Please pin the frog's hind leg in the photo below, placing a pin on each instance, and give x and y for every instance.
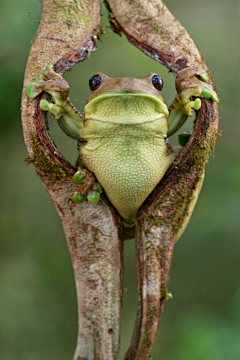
(88, 189)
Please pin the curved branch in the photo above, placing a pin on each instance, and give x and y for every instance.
(93, 231)
(67, 35)
(163, 217)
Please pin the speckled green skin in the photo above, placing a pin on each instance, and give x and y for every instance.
(126, 148)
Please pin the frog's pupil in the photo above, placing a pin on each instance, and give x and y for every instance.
(94, 82)
(157, 82)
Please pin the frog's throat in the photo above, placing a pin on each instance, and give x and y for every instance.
(91, 109)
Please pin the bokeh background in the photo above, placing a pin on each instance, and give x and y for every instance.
(38, 318)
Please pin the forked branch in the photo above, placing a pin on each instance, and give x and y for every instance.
(68, 34)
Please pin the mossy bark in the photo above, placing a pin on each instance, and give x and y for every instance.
(68, 34)
(151, 27)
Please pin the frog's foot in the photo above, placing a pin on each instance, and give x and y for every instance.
(55, 85)
(191, 85)
(89, 189)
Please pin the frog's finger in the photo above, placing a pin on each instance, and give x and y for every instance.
(187, 104)
(209, 93)
(188, 107)
(189, 73)
(203, 75)
(186, 95)
(192, 78)
(48, 67)
(50, 74)
(193, 83)
(204, 91)
(56, 110)
(32, 91)
(58, 88)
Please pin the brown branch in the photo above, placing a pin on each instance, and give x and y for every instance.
(67, 35)
(93, 231)
(163, 217)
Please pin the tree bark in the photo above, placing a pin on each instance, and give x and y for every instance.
(68, 34)
(163, 217)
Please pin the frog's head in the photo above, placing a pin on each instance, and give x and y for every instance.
(125, 100)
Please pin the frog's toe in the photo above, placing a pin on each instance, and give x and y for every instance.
(93, 196)
(99, 188)
(78, 197)
(89, 189)
(79, 177)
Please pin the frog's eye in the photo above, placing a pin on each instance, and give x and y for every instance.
(157, 82)
(94, 82)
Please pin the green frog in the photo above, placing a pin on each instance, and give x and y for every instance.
(124, 131)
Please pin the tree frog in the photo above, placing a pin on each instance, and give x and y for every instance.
(124, 131)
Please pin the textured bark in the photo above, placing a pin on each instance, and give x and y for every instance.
(163, 217)
(67, 35)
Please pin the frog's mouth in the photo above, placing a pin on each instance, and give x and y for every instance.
(126, 108)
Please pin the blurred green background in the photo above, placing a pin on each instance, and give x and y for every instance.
(38, 318)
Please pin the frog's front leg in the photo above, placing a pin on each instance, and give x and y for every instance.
(191, 85)
(71, 122)
(69, 119)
